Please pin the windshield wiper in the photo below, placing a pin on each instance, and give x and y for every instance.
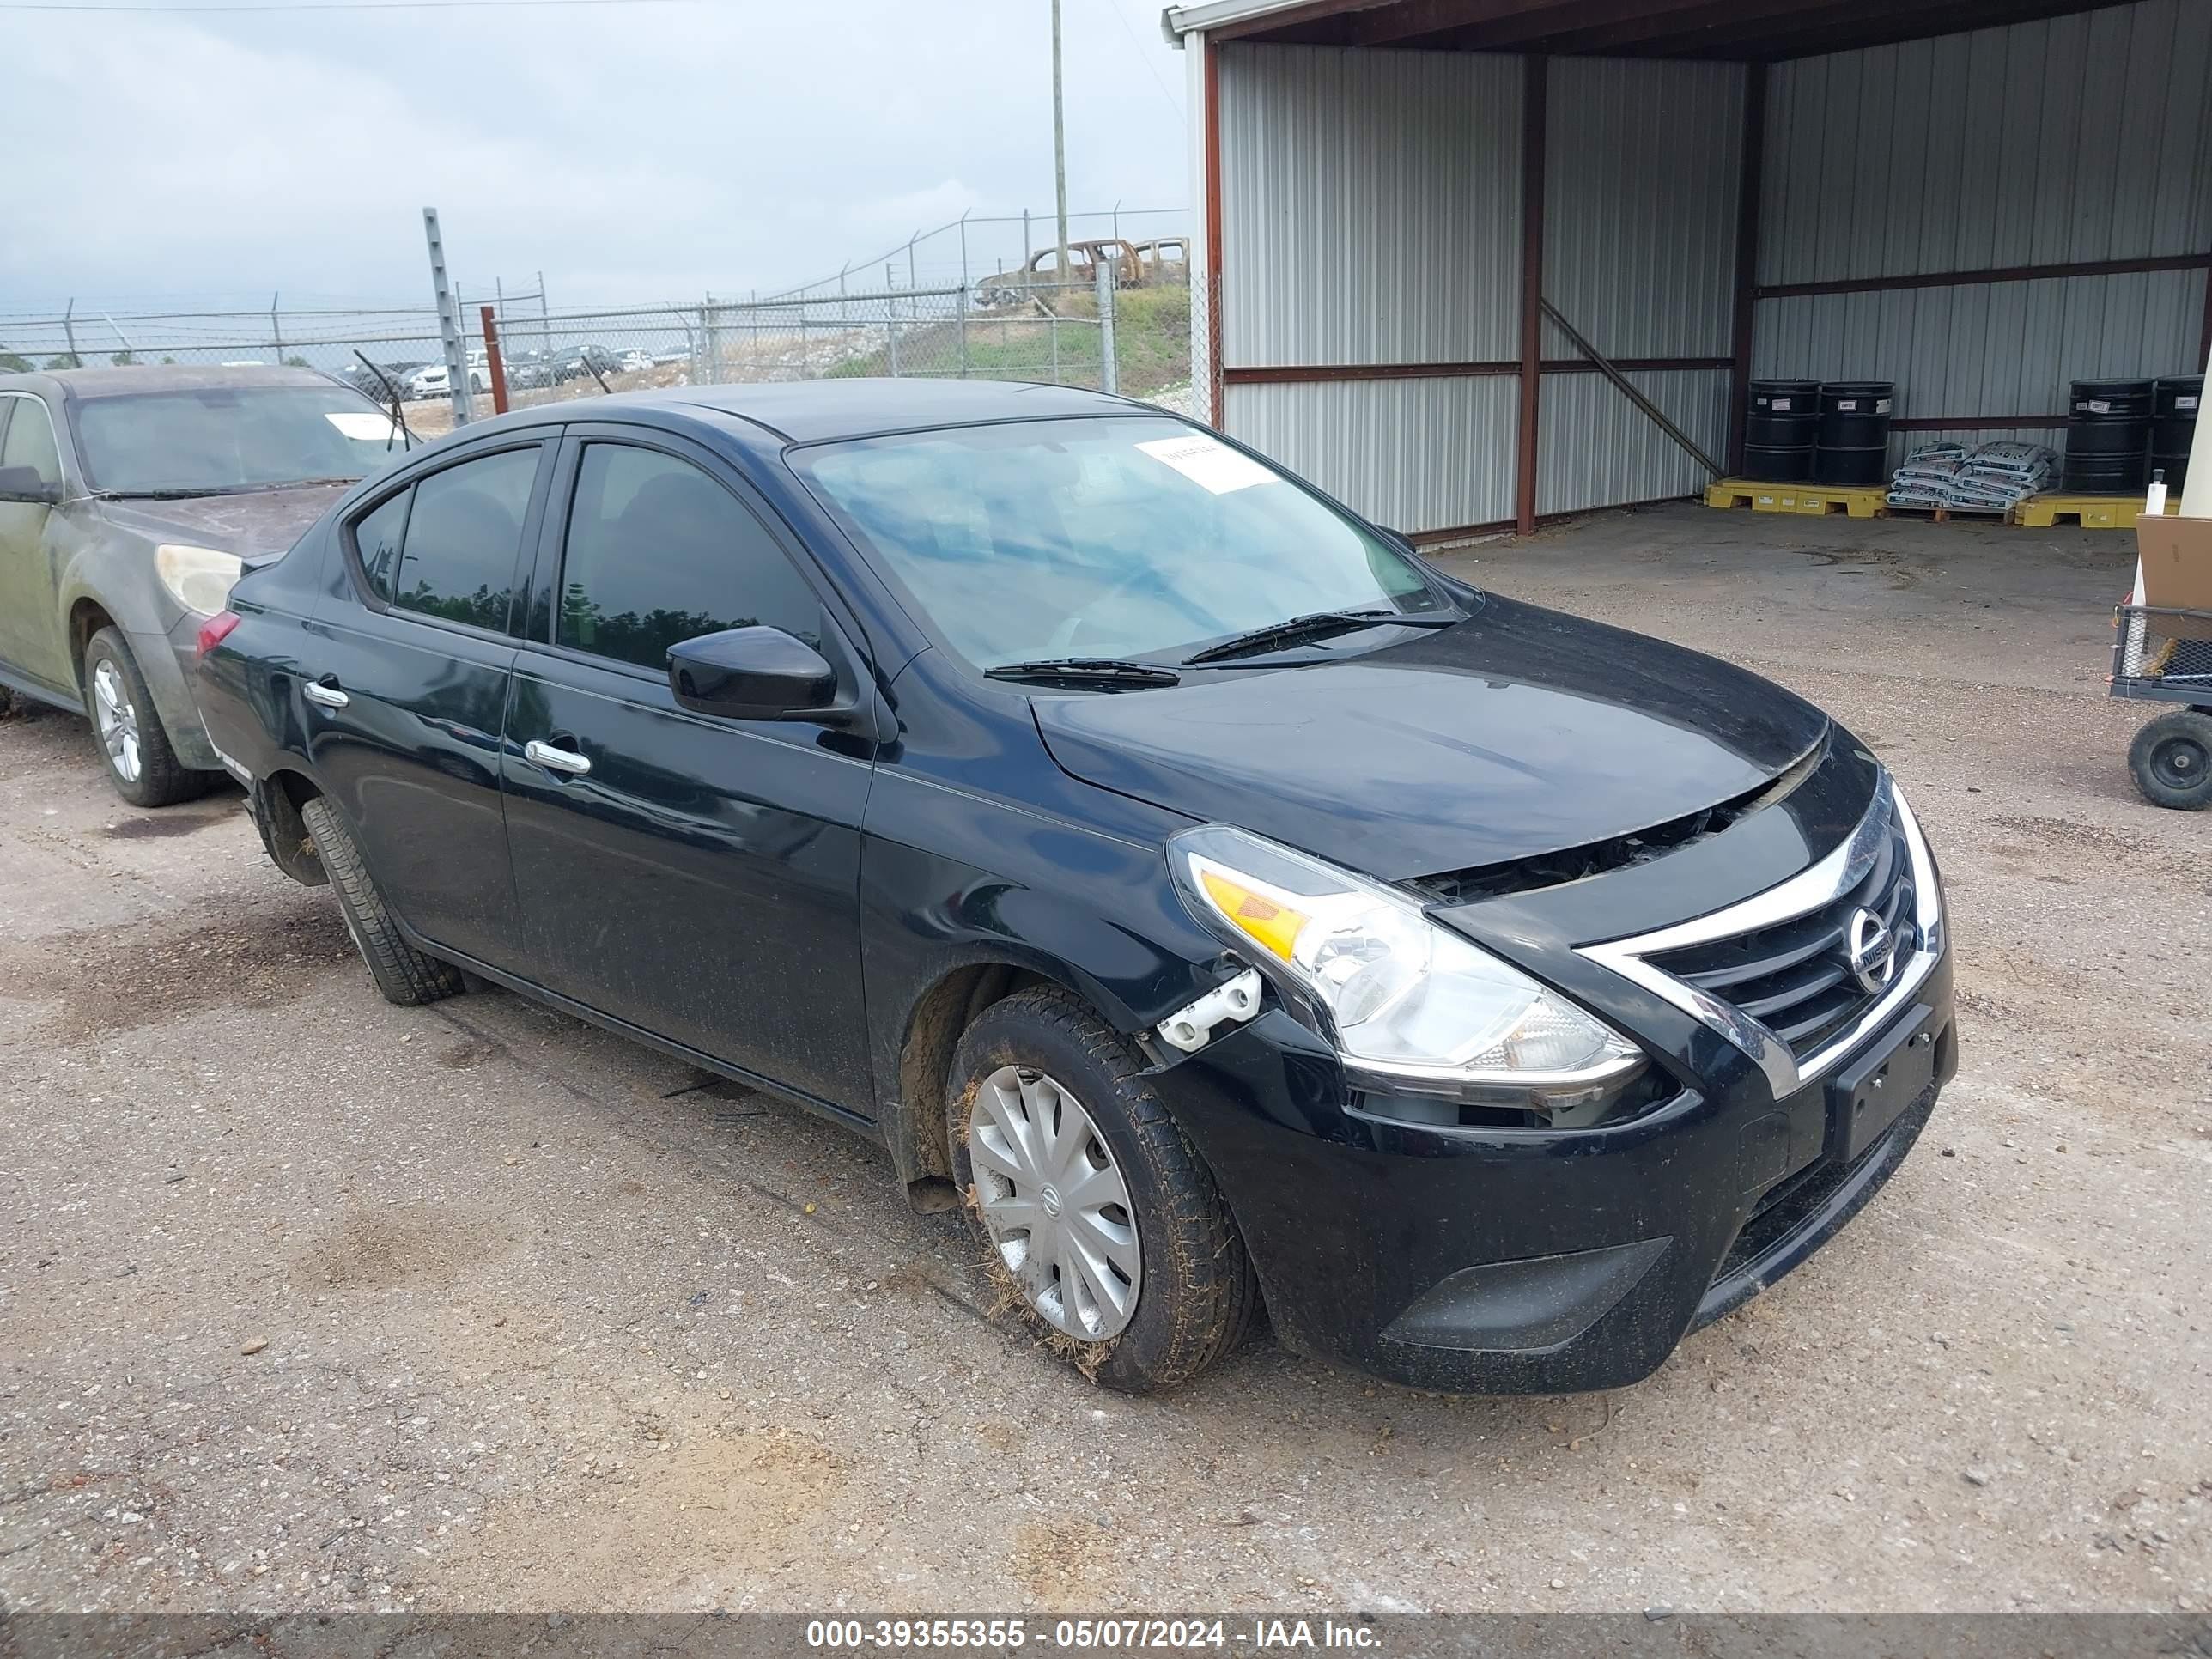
(1085, 672)
(190, 493)
(176, 495)
(1321, 625)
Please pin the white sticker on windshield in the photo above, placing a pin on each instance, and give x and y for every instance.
(363, 423)
(1208, 463)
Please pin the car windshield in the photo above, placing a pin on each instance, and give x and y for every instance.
(221, 438)
(1121, 536)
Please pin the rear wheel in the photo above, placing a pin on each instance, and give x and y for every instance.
(1105, 1231)
(403, 973)
(2172, 760)
(141, 762)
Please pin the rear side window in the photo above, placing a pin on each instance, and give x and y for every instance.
(447, 547)
(657, 553)
(377, 537)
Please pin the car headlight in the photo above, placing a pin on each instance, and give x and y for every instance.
(1411, 1007)
(197, 578)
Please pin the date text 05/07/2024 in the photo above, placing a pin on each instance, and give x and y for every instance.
(983, 1635)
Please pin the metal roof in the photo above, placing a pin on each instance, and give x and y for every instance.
(1734, 30)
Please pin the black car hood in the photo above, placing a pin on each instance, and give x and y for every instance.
(1517, 733)
(257, 525)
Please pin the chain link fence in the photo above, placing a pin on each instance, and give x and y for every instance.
(976, 298)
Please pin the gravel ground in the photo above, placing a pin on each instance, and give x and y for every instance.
(310, 1302)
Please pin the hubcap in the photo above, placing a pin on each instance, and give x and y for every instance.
(1054, 1203)
(2179, 763)
(116, 719)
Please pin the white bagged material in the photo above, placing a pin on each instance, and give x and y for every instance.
(1990, 478)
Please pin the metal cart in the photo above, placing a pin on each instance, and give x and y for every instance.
(2164, 654)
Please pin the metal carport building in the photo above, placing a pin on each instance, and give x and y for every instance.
(1981, 200)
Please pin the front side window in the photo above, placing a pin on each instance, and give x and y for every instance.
(1123, 537)
(216, 439)
(657, 553)
(30, 441)
(447, 547)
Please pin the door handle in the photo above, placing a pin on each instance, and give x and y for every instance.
(325, 691)
(556, 760)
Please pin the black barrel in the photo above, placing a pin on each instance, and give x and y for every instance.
(1779, 429)
(2173, 427)
(1854, 432)
(2108, 437)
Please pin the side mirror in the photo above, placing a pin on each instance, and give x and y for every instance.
(23, 483)
(751, 674)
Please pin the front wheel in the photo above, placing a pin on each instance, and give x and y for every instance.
(2172, 760)
(1104, 1230)
(142, 764)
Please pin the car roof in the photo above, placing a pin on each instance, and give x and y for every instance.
(811, 411)
(133, 379)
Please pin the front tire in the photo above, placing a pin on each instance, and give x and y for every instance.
(142, 764)
(2172, 760)
(1104, 1230)
(403, 973)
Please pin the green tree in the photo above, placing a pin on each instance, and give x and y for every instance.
(14, 363)
(297, 362)
(123, 359)
(67, 360)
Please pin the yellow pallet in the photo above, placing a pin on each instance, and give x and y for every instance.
(2090, 512)
(1818, 500)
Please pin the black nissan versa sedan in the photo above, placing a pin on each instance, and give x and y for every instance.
(1223, 905)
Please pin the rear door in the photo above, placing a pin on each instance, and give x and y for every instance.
(698, 878)
(404, 679)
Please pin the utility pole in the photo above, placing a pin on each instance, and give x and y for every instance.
(1059, 145)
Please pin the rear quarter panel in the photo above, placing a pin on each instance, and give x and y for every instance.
(246, 686)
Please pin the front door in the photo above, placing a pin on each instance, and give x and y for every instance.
(696, 876)
(406, 686)
(33, 640)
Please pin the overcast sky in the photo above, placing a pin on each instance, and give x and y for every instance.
(630, 151)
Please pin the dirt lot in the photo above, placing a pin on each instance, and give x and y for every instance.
(307, 1301)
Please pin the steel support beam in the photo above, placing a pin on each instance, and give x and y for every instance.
(1535, 79)
(1750, 180)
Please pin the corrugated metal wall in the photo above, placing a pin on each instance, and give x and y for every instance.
(1370, 214)
(1371, 205)
(1641, 163)
(1594, 448)
(2072, 139)
(1415, 455)
(1641, 166)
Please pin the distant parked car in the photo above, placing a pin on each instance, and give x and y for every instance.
(1042, 272)
(431, 379)
(378, 381)
(525, 366)
(1163, 262)
(634, 362)
(580, 361)
(130, 499)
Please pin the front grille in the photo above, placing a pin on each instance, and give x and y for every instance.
(1793, 977)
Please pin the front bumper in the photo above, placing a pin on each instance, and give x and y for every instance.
(168, 661)
(1527, 1262)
